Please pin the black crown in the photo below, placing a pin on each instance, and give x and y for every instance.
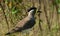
(32, 8)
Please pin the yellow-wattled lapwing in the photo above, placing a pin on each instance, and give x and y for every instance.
(26, 23)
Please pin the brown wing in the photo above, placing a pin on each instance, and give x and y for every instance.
(22, 22)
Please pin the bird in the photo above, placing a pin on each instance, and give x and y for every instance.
(26, 23)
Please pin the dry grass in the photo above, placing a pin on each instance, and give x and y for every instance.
(43, 30)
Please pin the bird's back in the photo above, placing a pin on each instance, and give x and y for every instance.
(25, 23)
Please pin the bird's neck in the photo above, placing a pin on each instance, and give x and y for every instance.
(31, 14)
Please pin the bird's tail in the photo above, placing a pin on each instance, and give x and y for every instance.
(10, 32)
(14, 30)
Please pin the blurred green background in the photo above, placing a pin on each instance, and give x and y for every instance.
(47, 22)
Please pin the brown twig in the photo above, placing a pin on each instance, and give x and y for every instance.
(48, 22)
(39, 14)
(4, 15)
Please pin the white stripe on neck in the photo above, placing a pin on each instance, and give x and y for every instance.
(30, 12)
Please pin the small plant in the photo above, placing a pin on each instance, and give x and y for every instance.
(57, 2)
(59, 10)
(14, 11)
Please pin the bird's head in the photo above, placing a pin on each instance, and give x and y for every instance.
(32, 10)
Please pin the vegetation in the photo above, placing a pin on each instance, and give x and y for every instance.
(47, 22)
